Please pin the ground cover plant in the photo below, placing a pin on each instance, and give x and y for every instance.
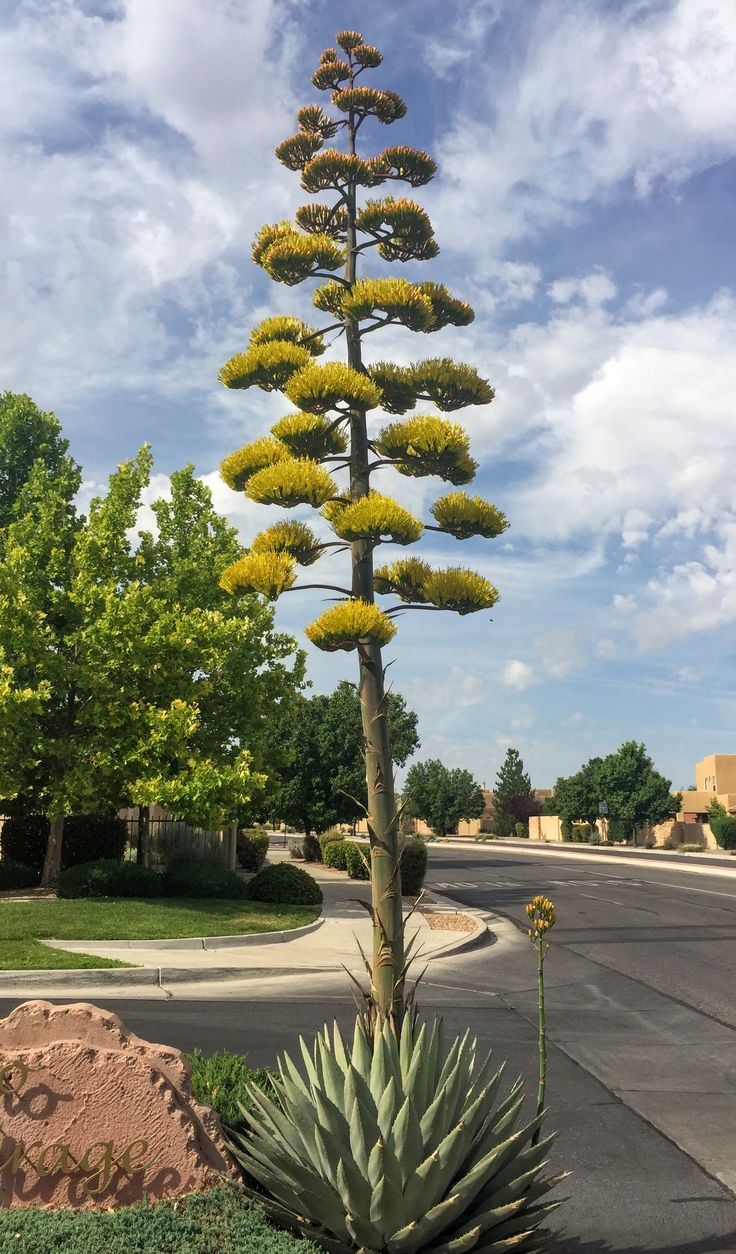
(394, 1141)
(223, 1081)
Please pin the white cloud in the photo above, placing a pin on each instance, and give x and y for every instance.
(517, 675)
(693, 596)
(560, 651)
(591, 97)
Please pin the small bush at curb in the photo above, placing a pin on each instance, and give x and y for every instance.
(334, 855)
(203, 881)
(312, 849)
(296, 849)
(221, 1219)
(357, 860)
(252, 849)
(17, 875)
(110, 879)
(221, 1080)
(284, 883)
(413, 866)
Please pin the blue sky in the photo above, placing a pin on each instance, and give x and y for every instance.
(584, 205)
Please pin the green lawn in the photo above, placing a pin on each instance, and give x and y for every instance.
(22, 923)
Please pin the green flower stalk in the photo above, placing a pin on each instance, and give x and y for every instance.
(321, 454)
(542, 917)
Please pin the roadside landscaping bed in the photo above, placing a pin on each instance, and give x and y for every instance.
(24, 923)
(219, 1220)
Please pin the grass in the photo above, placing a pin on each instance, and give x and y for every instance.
(24, 923)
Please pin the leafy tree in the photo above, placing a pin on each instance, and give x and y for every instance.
(442, 797)
(114, 686)
(722, 825)
(29, 435)
(327, 429)
(634, 792)
(514, 799)
(324, 782)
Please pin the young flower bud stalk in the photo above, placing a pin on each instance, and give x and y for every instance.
(542, 917)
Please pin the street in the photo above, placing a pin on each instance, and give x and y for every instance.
(641, 1016)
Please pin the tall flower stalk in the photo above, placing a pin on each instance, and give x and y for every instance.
(542, 917)
(328, 432)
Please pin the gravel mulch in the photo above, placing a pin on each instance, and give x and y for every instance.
(449, 922)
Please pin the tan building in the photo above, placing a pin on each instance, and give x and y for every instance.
(715, 780)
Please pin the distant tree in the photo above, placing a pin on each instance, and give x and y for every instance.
(442, 797)
(626, 781)
(514, 799)
(115, 687)
(324, 782)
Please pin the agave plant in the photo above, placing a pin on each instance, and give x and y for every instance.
(398, 1144)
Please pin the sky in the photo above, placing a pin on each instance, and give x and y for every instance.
(583, 205)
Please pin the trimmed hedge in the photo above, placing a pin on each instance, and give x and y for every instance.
(87, 838)
(110, 879)
(413, 866)
(221, 1080)
(252, 850)
(296, 849)
(356, 857)
(17, 875)
(220, 1219)
(203, 881)
(284, 883)
(334, 855)
(329, 837)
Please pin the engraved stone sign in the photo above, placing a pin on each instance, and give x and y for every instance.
(93, 1116)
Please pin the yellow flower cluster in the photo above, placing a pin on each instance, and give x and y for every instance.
(373, 517)
(403, 227)
(542, 916)
(293, 330)
(295, 481)
(292, 258)
(320, 219)
(428, 445)
(238, 467)
(410, 164)
(399, 299)
(463, 516)
(269, 573)
(266, 366)
(318, 389)
(298, 149)
(406, 579)
(386, 106)
(349, 624)
(309, 435)
(294, 538)
(464, 591)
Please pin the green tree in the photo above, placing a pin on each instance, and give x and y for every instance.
(442, 796)
(627, 783)
(513, 795)
(130, 693)
(327, 429)
(722, 825)
(324, 781)
(29, 435)
(578, 796)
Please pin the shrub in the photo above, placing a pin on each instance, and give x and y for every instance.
(106, 878)
(296, 849)
(691, 848)
(520, 829)
(356, 858)
(217, 1219)
(329, 837)
(221, 1080)
(17, 875)
(283, 883)
(413, 866)
(252, 849)
(87, 838)
(203, 881)
(334, 855)
(722, 825)
(312, 849)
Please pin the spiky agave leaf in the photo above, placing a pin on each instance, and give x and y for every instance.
(266, 366)
(373, 517)
(269, 573)
(428, 445)
(398, 1144)
(295, 481)
(292, 258)
(463, 516)
(292, 330)
(400, 300)
(405, 579)
(318, 389)
(310, 435)
(319, 219)
(349, 624)
(464, 591)
(237, 468)
(294, 538)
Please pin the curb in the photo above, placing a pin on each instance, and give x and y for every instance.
(471, 940)
(708, 858)
(187, 942)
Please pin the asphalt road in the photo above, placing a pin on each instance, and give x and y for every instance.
(642, 1085)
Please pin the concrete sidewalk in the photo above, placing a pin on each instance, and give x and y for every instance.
(331, 944)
